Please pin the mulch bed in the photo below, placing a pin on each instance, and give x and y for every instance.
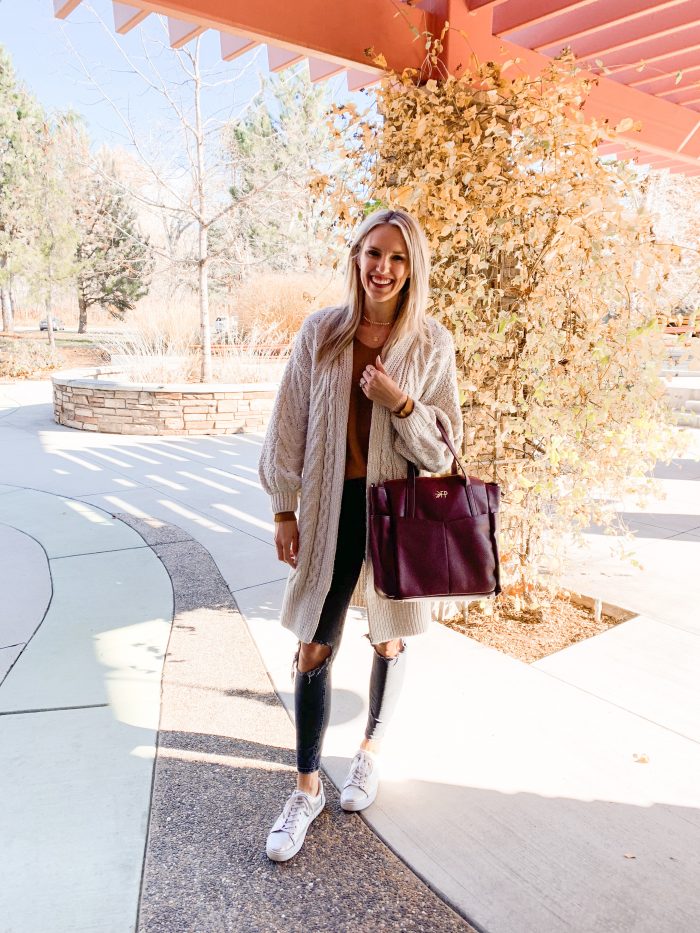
(529, 634)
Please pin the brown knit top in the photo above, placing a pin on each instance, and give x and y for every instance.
(360, 412)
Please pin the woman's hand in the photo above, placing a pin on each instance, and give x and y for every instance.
(380, 387)
(287, 541)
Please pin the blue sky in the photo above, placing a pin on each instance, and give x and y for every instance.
(51, 58)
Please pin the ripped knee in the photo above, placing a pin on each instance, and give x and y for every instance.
(390, 649)
(312, 655)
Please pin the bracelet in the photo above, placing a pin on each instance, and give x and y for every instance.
(400, 406)
(405, 409)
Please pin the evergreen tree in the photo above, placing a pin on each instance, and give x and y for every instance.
(49, 259)
(274, 151)
(113, 259)
(21, 120)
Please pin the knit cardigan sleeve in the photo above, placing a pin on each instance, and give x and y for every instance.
(282, 455)
(417, 438)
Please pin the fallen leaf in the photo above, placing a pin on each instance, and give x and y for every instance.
(641, 759)
(629, 855)
(624, 125)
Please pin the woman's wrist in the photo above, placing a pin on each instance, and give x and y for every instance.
(405, 409)
(401, 404)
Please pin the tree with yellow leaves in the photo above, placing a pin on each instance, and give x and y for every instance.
(547, 272)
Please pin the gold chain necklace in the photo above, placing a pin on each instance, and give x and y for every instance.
(379, 323)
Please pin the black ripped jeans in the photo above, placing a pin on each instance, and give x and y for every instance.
(312, 689)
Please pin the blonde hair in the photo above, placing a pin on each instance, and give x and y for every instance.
(413, 300)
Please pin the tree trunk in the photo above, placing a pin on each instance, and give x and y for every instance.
(203, 245)
(49, 320)
(82, 316)
(6, 299)
(7, 322)
(204, 304)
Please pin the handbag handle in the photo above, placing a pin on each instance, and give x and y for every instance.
(456, 459)
(413, 475)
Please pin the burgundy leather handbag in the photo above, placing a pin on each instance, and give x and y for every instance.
(433, 537)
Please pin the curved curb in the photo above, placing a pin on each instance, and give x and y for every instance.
(23, 629)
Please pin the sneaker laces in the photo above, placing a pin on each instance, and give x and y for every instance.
(360, 771)
(295, 808)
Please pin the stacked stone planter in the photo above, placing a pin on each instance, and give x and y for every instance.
(91, 404)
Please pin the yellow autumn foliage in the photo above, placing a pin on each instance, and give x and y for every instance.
(547, 272)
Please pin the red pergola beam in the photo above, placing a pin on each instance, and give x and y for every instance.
(61, 8)
(547, 24)
(632, 35)
(126, 17)
(678, 93)
(666, 127)
(660, 68)
(328, 32)
(693, 100)
(624, 56)
(325, 30)
(480, 4)
(521, 14)
(664, 84)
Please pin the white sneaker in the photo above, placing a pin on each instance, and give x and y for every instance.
(288, 834)
(361, 784)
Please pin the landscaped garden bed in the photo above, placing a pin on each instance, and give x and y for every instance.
(91, 404)
(528, 633)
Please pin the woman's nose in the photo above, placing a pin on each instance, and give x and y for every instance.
(383, 264)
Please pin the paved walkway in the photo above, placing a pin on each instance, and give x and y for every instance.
(522, 794)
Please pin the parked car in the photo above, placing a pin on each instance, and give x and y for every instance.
(57, 324)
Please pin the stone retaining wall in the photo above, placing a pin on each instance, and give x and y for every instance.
(121, 408)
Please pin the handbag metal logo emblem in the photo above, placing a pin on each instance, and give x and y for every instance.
(441, 494)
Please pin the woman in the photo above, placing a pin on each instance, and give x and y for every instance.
(359, 397)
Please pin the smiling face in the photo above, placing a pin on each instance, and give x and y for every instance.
(384, 268)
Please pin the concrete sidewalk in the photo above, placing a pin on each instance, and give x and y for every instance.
(517, 792)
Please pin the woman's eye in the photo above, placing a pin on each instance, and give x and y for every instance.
(374, 252)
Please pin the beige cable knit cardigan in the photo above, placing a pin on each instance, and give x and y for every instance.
(302, 462)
